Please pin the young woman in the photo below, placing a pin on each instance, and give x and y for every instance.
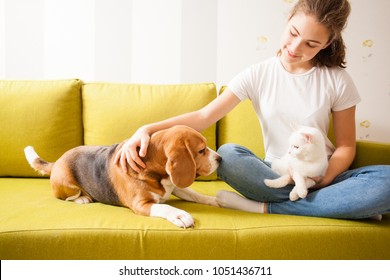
(305, 82)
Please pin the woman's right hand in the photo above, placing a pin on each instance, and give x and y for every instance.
(132, 151)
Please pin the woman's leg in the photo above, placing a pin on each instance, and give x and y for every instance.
(245, 172)
(354, 194)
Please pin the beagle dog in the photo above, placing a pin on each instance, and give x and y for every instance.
(175, 157)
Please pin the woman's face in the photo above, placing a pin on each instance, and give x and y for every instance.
(302, 39)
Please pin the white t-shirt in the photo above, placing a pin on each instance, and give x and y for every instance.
(281, 98)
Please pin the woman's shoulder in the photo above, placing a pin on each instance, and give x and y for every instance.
(262, 67)
(333, 71)
(272, 61)
(337, 75)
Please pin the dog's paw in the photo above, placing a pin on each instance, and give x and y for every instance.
(82, 200)
(176, 216)
(181, 219)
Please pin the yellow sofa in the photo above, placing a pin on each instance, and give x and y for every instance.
(54, 116)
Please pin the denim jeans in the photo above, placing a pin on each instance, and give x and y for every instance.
(354, 194)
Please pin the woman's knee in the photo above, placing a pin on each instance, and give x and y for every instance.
(245, 172)
(383, 174)
(231, 154)
(376, 172)
(232, 150)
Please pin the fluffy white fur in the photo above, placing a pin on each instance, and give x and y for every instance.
(306, 158)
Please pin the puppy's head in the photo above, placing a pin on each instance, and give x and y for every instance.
(187, 155)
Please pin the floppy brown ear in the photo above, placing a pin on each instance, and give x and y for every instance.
(180, 166)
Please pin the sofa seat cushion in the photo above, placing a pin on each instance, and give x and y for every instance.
(35, 225)
(112, 112)
(43, 114)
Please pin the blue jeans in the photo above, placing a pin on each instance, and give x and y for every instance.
(354, 194)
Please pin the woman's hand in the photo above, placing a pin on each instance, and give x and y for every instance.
(320, 183)
(133, 150)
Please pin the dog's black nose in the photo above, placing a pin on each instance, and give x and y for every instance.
(219, 158)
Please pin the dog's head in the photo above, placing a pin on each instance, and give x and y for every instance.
(187, 155)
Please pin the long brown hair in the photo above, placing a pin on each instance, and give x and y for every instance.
(333, 14)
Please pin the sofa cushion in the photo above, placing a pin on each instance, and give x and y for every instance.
(371, 153)
(113, 112)
(43, 114)
(241, 126)
(98, 231)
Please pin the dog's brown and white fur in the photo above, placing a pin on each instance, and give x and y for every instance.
(175, 157)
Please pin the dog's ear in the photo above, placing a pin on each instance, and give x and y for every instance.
(180, 165)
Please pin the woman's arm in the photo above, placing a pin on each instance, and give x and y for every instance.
(345, 138)
(198, 120)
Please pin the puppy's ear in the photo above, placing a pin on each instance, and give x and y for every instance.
(180, 166)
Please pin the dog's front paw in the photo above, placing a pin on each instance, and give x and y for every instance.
(181, 219)
(176, 216)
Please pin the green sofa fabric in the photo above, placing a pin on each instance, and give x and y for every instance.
(35, 225)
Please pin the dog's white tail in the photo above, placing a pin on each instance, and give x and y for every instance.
(38, 164)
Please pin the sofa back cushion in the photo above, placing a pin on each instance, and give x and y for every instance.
(43, 114)
(241, 126)
(113, 112)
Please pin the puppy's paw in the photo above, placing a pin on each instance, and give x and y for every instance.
(181, 219)
(176, 216)
(82, 200)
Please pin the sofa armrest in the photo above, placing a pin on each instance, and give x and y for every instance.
(371, 153)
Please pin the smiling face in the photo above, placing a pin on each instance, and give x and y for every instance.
(301, 41)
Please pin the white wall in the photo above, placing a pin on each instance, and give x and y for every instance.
(23, 38)
(181, 41)
(368, 42)
(68, 35)
(113, 40)
(2, 38)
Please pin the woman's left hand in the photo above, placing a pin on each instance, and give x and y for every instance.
(320, 183)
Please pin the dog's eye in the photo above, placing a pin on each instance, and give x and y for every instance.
(202, 151)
